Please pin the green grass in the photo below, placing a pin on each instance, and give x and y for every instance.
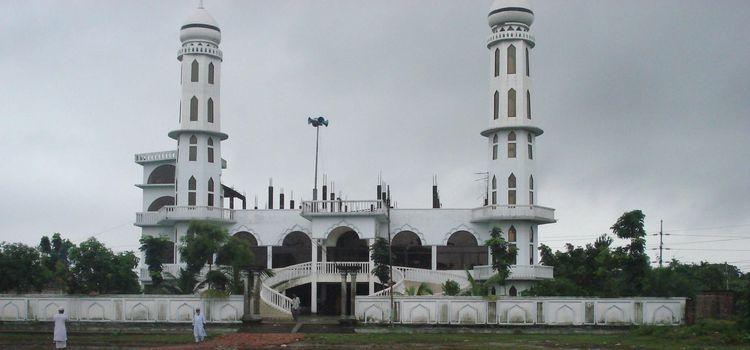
(98, 338)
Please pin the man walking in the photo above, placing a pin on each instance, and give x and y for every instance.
(199, 323)
(295, 308)
(60, 337)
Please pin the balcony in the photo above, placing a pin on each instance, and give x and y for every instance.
(336, 208)
(170, 214)
(162, 156)
(517, 272)
(534, 213)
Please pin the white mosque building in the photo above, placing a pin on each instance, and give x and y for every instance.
(305, 242)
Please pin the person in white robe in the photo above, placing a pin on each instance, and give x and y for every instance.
(60, 337)
(199, 323)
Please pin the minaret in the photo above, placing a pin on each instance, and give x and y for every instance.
(199, 137)
(512, 130)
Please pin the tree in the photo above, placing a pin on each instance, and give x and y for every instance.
(54, 255)
(380, 255)
(156, 251)
(201, 243)
(96, 269)
(476, 288)
(503, 256)
(635, 262)
(21, 268)
(237, 255)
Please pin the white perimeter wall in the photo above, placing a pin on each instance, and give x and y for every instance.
(522, 311)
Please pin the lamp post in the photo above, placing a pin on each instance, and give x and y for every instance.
(316, 123)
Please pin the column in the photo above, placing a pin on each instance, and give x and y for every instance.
(434, 257)
(269, 257)
(343, 295)
(370, 277)
(354, 294)
(314, 278)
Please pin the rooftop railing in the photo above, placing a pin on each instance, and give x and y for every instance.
(156, 156)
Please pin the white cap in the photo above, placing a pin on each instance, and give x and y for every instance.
(516, 11)
(200, 25)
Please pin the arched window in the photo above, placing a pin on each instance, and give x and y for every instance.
(497, 62)
(296, 248)
(531, 189)
(210, 192)
(528, 104)
(194, 71)
(210, 110)
(511, 59)
(494, 146)
(512, 235)
(210, 149)
(194, 109)
(527, 63)
(496, 106)
(461, 252)
(511, 103)
(512, 144)
(512, 189)
(408, 251)
(494, 190)
(163, 174)
(193, 149)
(211, 73)
(512, 291)
(531, 246)
(191, 191)
(530, 140)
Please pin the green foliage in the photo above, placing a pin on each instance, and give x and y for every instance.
(704, 331)
(216, 280)
(476, 288)
(21, 268)
(96, 269)
(379, 252)
(236, 253)
(503, 256)
(54, 254)
(156, 251)
(451, 288)
(422, 289)
(634, 261)
(203, 240)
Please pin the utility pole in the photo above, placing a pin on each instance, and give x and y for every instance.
(661, 240)
(316, 123)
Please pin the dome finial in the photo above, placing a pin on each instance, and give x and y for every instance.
(200, 4)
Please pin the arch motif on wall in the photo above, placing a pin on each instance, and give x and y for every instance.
(421, 312)
(10, 312)
(95, 312)
(373, 312)
(228, 313)
(614, 314)
(472, 312)
(139, 312)
(184, 312)
(517, 314)
(407, 227)
(163, 174)
(461, 227)
(160, 203)
(343, 223)
(567, 313)
(663, 315)
(243, 228)
(50, 310)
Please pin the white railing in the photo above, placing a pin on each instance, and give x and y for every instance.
(156, 156)
(369, 207)
(172, 269)
(183, 213)
(332, 267)
(275, 299)
(148, 218)
(398, 286)
(504, 212)
(517, 272)
(432, 276)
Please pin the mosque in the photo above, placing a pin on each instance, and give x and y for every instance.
(306, 242)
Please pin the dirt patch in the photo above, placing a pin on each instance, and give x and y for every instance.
(241, 341)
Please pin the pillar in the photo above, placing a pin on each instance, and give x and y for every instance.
(354, 293)
(256, 294)
(269, 257)
(489, 256)
(314, 278)
(343, 295)
(247, 297)
(370, 277)
(434, 257)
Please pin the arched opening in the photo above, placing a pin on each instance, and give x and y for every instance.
(347, 247)
(210, 110)
(191, 191)
(511, 103)
(294, 249)
(512, 291)
(512, 144)
(494, 190)
(260, 254)
(210, 150)
(496, 105)
(194, 71)
(512, 189)
(211, 73)
(408, 251)
(210, 192)
(163, 174)
(161, 202)
(494, 146)
(511, 59)
(461, 252)
(497, 62)
(194, 109)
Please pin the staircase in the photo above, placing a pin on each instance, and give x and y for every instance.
(295, 275)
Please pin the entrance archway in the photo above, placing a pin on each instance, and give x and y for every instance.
(346, 246)
(260, 254)
(295, 249)
(461, 252)
(408, 251)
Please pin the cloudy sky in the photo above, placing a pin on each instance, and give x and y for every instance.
(644, 104)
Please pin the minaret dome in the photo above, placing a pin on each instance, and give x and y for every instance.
(200, 26)
(510, 11)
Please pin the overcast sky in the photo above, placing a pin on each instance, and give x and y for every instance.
(644, 105)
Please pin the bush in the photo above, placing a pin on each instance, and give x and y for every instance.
(451, 288)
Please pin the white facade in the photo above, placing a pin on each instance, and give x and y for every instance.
(177, 183)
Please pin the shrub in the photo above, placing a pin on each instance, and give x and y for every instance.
(451, 288)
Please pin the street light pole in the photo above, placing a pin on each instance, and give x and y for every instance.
(316, 123)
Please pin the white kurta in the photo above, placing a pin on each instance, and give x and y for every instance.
(61, 334)
(198, 323)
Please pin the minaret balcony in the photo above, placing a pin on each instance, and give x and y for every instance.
(533, 213)
(170, 215)
(341, 208)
